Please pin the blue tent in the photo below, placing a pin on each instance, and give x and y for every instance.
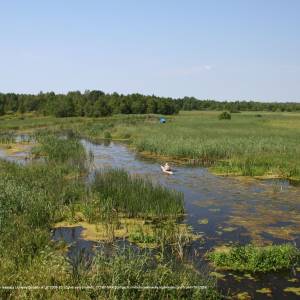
(162, 120)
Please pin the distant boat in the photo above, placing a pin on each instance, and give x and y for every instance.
(165, 171)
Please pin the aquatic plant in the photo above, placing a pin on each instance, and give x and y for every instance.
(7, 137)
(60, 150)
(127, 268)
(257, 259)
(135, 196)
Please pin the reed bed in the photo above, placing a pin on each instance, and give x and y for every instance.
(135, 196)
(245, 145)
(61, 150)
(255, 259)
(7, 137)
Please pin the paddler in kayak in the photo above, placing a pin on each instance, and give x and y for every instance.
(167, 167)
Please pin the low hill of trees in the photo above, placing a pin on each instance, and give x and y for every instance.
(97, 103)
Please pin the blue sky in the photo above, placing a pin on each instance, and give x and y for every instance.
(233, 49)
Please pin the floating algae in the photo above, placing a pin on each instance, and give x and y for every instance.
(218, 275)
(266, 291)
(135, 230)
(294, 290)
(203, 221)
(229, 229)
(243, 296)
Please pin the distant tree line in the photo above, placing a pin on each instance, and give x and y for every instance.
(191, 103)
(98, 104)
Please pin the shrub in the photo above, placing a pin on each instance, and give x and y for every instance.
(225, 116)
(107, 135)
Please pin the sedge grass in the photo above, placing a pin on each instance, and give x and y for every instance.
(257, 259)
(135, 196)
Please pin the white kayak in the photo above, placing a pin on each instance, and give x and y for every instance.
(165, 171)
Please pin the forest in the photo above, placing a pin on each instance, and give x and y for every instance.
(96, 103)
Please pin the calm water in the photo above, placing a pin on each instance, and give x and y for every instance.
(232, 211)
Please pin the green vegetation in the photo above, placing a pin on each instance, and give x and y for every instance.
(90, 104)
(224, 116)
(257, 259)
(135, 196)
(53, 189)
(245, 146)
(99, 104)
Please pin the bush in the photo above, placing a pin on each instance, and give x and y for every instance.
(225, 116)
(107, 135)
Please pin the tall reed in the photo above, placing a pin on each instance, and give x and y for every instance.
(136, 196)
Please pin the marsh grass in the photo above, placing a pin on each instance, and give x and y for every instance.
(35, 196)
(246, 145)
(7, 137)
(128, 268)
(254, 259)
(60, 150)
(135, 196)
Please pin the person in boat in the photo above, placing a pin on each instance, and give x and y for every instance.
(167, 167)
